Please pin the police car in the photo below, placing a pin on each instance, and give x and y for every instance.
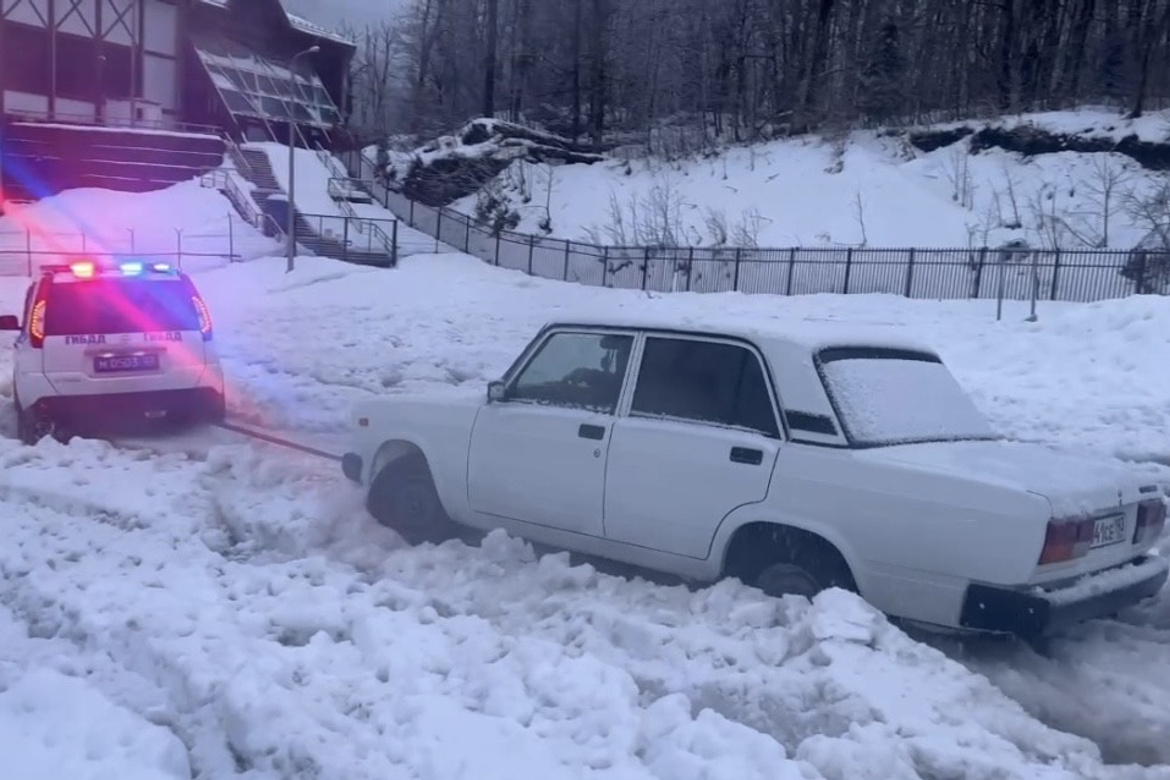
(103, 341)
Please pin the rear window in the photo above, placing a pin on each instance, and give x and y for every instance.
(105, 306)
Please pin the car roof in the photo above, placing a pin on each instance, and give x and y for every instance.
(805, 333)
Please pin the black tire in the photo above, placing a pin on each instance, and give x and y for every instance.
(403, 498)
(29, 429)
(791, 562)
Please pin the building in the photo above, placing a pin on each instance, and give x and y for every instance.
(237, 66)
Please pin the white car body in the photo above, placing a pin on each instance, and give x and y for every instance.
(102, 340)
(947, 532)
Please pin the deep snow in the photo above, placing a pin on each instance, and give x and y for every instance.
(238, 597)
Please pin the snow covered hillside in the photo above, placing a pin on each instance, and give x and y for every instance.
(869, 189)
(211, 606)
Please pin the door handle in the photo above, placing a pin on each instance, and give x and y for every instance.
(751, 457)
(595, 432)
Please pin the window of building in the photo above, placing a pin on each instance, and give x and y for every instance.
(256, 86)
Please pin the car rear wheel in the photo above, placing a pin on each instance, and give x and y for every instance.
(404, 499)
(780, 561)
(30, 428)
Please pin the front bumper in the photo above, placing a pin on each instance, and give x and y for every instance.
(1033, 613)
(351, 467)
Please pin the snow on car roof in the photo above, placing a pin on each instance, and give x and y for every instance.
(808, 333)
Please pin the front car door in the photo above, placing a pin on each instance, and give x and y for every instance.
(701, 438)
(538, 456)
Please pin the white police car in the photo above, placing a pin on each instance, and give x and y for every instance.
(106, 341)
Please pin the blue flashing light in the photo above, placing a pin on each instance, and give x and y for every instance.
(161, 268)
(131, 269)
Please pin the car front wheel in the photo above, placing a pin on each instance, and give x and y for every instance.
(404, 499)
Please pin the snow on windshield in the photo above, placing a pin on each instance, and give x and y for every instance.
(896, 400)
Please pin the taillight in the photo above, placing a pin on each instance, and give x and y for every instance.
(36, 319)
(1067, 540)
(1151, 519)
(204, 317)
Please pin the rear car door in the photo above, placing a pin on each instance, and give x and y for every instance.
(114, 333)
(701, 438)
(539, 455)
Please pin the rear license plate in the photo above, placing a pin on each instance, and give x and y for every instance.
(1108, 530)
(115, 364)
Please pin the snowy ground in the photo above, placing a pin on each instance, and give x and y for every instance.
(208, 605)
(869, 190)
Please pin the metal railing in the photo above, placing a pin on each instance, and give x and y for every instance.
(23, 251)
(353, 239)
(942, 273)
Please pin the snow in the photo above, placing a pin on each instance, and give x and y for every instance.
(869, 190)
(207, 606)
(891, 401)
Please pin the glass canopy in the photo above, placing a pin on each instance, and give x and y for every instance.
(255, 86)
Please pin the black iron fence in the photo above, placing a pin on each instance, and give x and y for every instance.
(1020, 274)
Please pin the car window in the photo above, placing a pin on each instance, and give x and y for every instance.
(704, 381)
(106, 306)
(575, 370)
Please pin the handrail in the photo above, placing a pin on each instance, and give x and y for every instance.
(87, 120)
(237, 156)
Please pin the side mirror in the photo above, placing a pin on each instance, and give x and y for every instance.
(495, 391)
(9, 322)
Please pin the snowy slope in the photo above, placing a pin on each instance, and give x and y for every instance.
(239, 598)
(869, 190)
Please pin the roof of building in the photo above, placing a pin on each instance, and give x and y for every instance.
(297, 23)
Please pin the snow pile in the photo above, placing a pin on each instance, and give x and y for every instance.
(870, 190)
(186, 218)
(291, 637)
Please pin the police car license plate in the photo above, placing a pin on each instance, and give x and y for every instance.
(114, 364)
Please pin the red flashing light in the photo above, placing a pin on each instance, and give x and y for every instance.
(36, 318)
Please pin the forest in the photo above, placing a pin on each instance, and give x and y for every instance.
(612, 70)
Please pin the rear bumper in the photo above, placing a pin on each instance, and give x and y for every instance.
(89, 411)
(1035, 612)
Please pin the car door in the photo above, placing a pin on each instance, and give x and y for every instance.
(538, 456)
(700, 439)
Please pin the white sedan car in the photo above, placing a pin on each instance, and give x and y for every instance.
(793, 458)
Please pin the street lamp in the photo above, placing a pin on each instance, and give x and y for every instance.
(292, 165)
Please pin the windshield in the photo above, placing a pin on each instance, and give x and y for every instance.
(105, 306)
(888, 397)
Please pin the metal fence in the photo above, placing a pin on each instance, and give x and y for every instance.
(22, 251)
(1019, 274)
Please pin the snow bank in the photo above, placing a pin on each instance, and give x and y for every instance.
(336, 652)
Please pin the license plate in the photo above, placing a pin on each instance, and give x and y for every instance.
(115, 364)
(1108, 530)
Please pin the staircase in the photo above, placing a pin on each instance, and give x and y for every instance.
(311, 230)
